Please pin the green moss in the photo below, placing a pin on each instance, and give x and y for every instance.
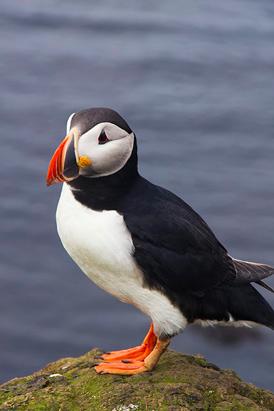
(179, 382)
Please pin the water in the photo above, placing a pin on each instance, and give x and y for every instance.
(195, 82)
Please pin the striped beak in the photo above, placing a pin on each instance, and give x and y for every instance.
(63, 165)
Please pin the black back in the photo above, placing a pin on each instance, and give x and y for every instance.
(174, 247)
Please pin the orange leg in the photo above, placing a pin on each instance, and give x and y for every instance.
(135, 366)
(136, 353)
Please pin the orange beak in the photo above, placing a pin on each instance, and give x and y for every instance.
(56, 167)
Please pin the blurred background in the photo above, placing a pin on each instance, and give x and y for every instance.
(195, 82)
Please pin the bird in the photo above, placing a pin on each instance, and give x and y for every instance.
(143, 244)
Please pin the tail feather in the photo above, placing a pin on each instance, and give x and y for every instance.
(247, 272)
(264, 285)
(245, 303)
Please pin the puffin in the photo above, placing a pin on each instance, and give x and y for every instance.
(143, 244)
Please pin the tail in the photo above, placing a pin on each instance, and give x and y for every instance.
(247, 272)
(232, 304)
(245, 303)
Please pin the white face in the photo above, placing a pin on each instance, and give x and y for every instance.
(107, 146)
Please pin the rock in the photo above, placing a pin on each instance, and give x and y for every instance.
(179, 383)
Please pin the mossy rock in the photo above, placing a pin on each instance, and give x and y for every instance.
(180, 382)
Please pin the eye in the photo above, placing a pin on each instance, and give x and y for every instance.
(102, 139)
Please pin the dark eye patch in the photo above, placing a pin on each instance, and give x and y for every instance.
(102, 139)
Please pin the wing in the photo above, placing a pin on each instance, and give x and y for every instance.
(174, 247)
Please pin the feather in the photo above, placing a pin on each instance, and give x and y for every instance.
(247, 272)
(264, 285)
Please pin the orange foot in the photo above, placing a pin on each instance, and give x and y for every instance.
(130, 366)
(135, 367)
(138, 353)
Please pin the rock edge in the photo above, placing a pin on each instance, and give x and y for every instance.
(180, 382)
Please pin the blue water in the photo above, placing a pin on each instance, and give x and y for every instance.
(195, 82)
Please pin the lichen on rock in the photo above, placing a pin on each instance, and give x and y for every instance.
(180, 382)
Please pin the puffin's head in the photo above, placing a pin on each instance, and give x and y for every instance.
(99, 143)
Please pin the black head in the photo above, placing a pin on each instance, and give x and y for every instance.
(87, 119)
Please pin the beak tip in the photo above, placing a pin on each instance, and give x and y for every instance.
(50, 180)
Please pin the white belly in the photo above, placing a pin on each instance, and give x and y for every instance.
(101, 245)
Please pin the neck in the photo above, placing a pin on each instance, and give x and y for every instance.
(106, 192)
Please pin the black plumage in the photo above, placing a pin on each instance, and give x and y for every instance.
(175, 249)
(87, 119)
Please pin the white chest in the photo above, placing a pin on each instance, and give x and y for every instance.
(100, 243)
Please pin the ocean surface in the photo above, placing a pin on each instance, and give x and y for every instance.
(195, 82)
